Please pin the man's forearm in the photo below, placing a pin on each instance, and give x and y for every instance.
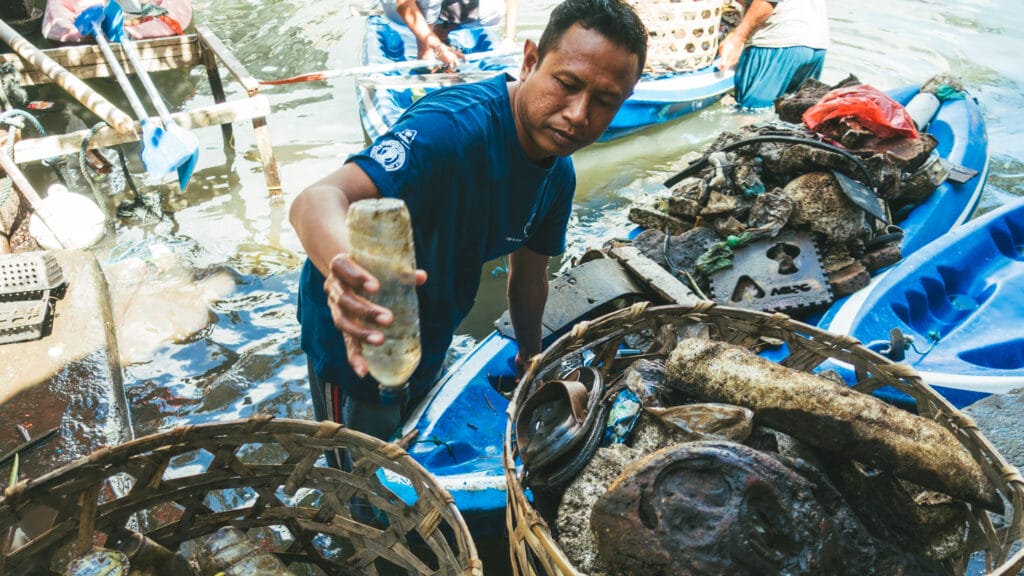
(755, 16)
(527, 295)
(418, 25)
(318, 216)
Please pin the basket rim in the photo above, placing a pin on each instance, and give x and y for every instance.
(531, 539)
(80, 481)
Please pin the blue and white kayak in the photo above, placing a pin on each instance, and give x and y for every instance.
(961, 300)
(461, 423)
(661, 99)
(960, 130)
(384, 96)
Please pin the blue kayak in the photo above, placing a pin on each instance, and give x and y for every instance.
(960, 130)
(656, 100)
(461, 423)
(961, 300)
(383, 96)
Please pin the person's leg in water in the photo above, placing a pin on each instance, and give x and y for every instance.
(377, 420)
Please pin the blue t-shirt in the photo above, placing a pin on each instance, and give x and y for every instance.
(454, 158)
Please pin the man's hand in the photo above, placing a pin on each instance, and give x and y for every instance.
(729, 51)
(448, 56)
(348, 286)
(756, 15)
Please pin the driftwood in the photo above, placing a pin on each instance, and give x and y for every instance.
(831, 417)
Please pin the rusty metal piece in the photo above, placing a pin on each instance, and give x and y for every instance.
(885, 255)
(920, 185)
(717, 508)
(909, 153)
(848, 280)
(779, 274)
(710, 508)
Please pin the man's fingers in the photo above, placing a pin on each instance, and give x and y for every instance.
(357, 330)
(350, 273)
(354, 350)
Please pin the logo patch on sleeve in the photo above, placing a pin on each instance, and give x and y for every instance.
(406, 136)
(390, 154)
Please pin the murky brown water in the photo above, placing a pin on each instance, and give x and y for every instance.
(248, 359)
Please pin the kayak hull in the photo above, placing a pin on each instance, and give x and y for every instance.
(960, 299)
(659, 100)
(461, 423)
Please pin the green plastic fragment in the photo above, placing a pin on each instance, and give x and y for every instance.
(946, 93)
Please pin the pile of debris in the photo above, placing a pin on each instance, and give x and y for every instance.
(785, 216)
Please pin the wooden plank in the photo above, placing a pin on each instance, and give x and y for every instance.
(86, 61)
(58, 145)
(212, 43)
(661, 281)
(65, 79)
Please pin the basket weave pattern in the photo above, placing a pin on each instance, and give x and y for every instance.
(534, 550)
(682, 34)
(237, 486)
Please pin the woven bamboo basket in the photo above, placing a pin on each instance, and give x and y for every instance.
(535, 551)
(682, 34)
(257, 475)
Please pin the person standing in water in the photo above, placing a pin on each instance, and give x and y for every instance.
(777, 45)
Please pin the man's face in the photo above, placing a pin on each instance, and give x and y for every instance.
(566, 101)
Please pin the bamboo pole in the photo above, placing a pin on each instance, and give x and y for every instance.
(30, 194)
(68, 81)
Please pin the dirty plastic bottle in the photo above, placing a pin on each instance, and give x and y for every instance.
(230, 552)
(380, 240)
(99, 562)
(149, 558)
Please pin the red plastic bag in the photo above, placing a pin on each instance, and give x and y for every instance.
(880, 114)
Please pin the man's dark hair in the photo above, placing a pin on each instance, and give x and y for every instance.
(616, 20)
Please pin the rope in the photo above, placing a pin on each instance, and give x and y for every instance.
(90, 175)
(10, 118)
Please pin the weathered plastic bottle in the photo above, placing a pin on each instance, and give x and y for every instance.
(380, 236)
(231, 552)
(99, 562)
(149, 558)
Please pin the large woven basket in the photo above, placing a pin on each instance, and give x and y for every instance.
(535, 551)
(682, 34)
(188, 482)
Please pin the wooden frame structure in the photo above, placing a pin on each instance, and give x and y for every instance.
(202, 48)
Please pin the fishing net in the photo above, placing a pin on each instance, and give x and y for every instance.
(991, 541)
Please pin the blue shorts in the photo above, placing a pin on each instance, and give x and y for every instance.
(764, 74)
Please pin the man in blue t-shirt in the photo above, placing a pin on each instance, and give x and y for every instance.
(484, 169)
